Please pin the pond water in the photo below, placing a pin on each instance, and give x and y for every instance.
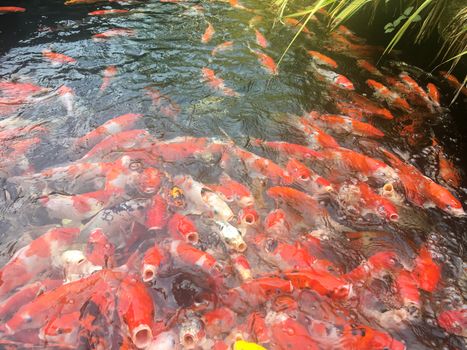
(363, 247)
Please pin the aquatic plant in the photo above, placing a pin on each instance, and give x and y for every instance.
(426, 15)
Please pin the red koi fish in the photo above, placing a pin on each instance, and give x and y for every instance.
(256, 292)
(307, 178)
(421, 190)
(426, 272)
(454, 321)
(413, 85)
(119, 142)
(208, 34)
(61, 329)
(99, 250)
(151, 264)
(384, 94)
(276, 224)
(293, 22)
(181, 148)
(25, 295)
(342, 125)
(227, 45)
(376, 266)
(287, 333)
(364, 64)
(306, 205)
(80, 206)
(322, 59)
(236, 4)
(58, 58)
(107, 76)
(364, 199)
(334, 79)
(366, 338)
(217, 83)
(261, 40)
(33, 259)
(11, 9)
(407, 289)
(267, 62)
(191, 256)
(263, 167)
(233, 191)
(181, 227)
(157, 216)
(287, 257)
(434, 94)
(242, 267)
(248, 216)
(163, 103)
(447, 170)
(342, 29)
(219, 321)
(110, 127)
(136, 309)
(107, 12)
(112, 33)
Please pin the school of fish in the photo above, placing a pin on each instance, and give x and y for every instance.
(137, 252)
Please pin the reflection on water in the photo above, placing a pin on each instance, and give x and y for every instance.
(187, 188)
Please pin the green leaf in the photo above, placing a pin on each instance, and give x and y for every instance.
(408, 10)
(417, 19)
(389, 30)
(397, 21)
(388, 26)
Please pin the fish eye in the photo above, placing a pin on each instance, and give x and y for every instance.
(135, 165)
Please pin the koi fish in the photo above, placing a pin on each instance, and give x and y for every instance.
(107, 76)
(219, 321)
(287, 150)
(322, 59)
(191, 256)
(217, 83)
(288, 333)
(11, 9)
(267, 62)
(261, 40)
(334, 79)
(447, 170)
(58, 58)
(163, 103)
(276, 224)
(28, 262)
(454, 321)
(242, 267)
(111, 127)
(107, 12)
(112, 33)
(434, 94)
(421, 190)
(364, 64)
(286, 257)
(307, 178)
(317, 138)
(181, 227)
(236, 4)
(362, 106)
(67, 96)
(384, 94)
(407, 289)
(342, 124)
(157, 215)
(151, 264)
(208, 34)
(233, 191)
(366, 338)
(248, 216)
(426, 272)
(227, 45)
(293, 22)
(453, 82)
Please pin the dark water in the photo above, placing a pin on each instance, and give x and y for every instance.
(166, 53)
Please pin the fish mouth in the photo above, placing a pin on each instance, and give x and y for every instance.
(141, 336)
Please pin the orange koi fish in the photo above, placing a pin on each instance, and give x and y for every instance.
(151, 264)
(248, 216)
(112, 33)
(107, 76)
(106, 12)
(227, 45)
(322, 59)
(208, 34)
(110, 127)
(163, 103)
(191, 256)
(276, 223)
(434, 94)
(267, 62)
(218, 321)
(317, 138)
(452, 80)
(287, 150)
(307, 178)
(242, 267)
(447, 170)
(384, 94)
(426, 272)
(217, 83)
(288, 333)
(58, 58)
(366, 338)
(157, 215)
(363, 106)
(334, 78)
(421, 190)
(293, 22)
(261, 40)
(343, 125)
(11, 9)
(364, 64)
